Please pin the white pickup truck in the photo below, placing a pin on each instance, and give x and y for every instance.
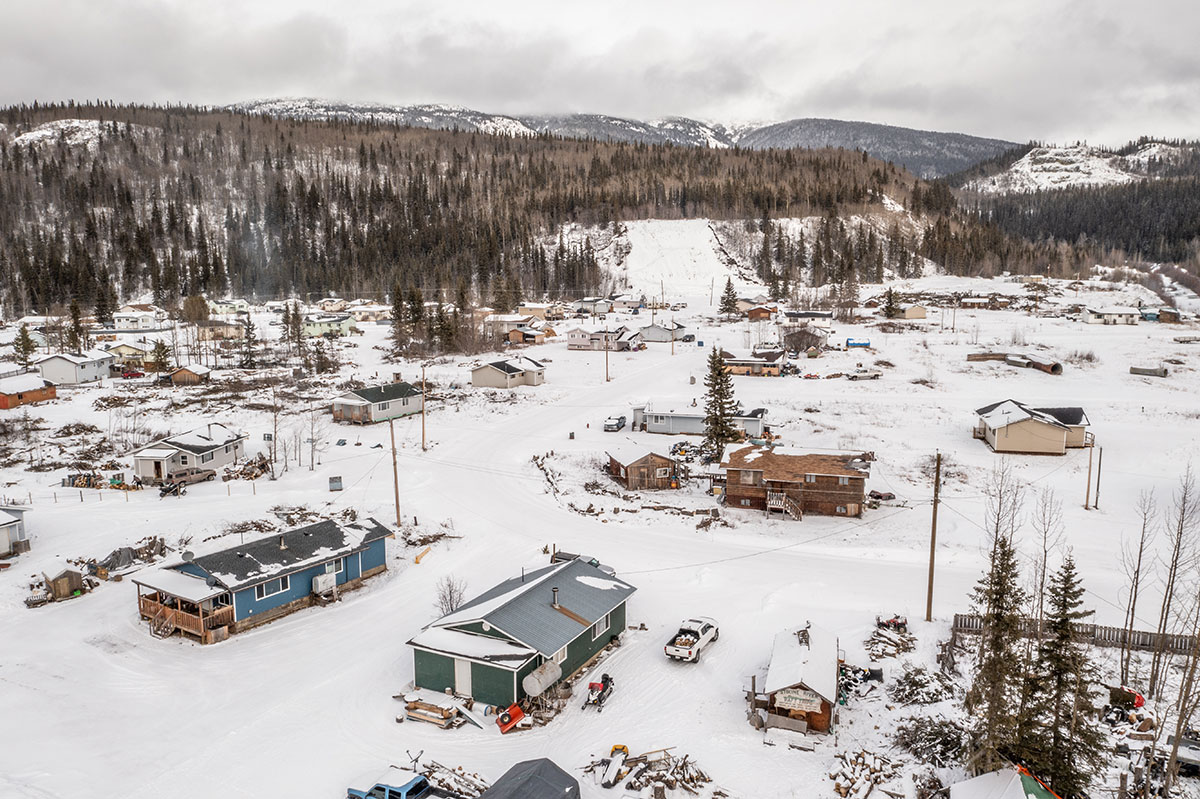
(693, 636)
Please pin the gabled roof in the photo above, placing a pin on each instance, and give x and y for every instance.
(253, 562)
(199, 441)
(385, 393)
(1009, 411)
(79, 358)
(513, 366)
(747, 357)
(791, 465)
(1113, 310)
(534, 779)
(195, 368)
(1007, 783)
(522, 607)
(815, 663)
(19, 383)
(632, 453)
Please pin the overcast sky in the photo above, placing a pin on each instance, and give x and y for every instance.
(1095, 70)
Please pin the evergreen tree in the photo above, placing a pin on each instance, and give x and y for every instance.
(322, 359)
(295, 333)
(1062, 741)
(719, 406)
(77, 337)
(729, 298)
(995, 688)
(249, 346)
(104, 304)
(891, 308)
(160, 357)
(24, 347)
(399, 317)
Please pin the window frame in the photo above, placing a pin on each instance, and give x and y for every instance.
(606, 620)
(283, 581)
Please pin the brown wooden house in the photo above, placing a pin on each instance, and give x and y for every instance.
(190, 375)
(25, 389)
(802, 681)
(793, 483)
(638, 468)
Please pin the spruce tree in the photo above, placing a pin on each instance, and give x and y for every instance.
(995, 689)
(719, 406)
(891, 308)
(729, 298)
(104, 305)
(249, 346)
(160, 357)
(24, 347)
(77, 337)
(399, 315)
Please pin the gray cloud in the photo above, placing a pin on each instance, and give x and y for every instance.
(1093, 69)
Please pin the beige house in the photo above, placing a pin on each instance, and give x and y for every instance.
(220, 330)
(1011, 426)
(519, 371)
(913, 311)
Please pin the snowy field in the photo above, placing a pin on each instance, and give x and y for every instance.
(94, 706)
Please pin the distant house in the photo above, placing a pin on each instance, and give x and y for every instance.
(1170, 315)
(681, 417)
(615, 340)
(140, 317)
(793, 483)
(225, 592)
(73, 368)
(1111, 315)
(806, 337)
(546, 311)
(802, 680)
(335, 325)
(640, 468)
(1012, 426)
(974, 302)
(190, 375)
(366, 314)
(332, 304)
(912, 311)
(25, 389)
(377, 403)
(807, 317)
(663, 332)
(534, 779)
(14, 540)
(210, 447)
(525, 335)
(129, 354)
(761, 313)
(766, 364)
(499, 324)
(220, 330)
(593, 305)
(234, 305)
(625, 302)
(551, 621)
(519, 371)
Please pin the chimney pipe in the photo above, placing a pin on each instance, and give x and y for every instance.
(555, 603)
(281, 544)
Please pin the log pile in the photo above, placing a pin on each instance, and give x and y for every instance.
(455, 780)
(659, 770)
(248, 470)
(855, 776)
(888, 643)
(444, 717)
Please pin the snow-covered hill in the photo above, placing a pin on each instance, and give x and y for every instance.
(926, 153)
(1045, 168)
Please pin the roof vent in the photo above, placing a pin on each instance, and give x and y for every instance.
(802, 635)
(281, 544)
(554, 604)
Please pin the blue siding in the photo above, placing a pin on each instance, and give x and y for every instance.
(300, 585)
(375, 555)
(191, 568)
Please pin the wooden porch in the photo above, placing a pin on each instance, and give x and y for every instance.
(789, 501)
(168, 615)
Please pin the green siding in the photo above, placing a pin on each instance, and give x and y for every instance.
(491, 685)
(435, 672)
(524, 671)
(477, 629)
(580, 650)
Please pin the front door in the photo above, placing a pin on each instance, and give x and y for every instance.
(462, 677)
(158, 472)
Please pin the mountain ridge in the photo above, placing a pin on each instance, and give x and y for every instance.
(925, 153)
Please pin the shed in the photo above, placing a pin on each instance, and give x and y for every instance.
(534, 779)
(802, 680)
(1011, 426)
(639, 468)
(67, 583)
(25, 389)
(190, 375)
(13, 538)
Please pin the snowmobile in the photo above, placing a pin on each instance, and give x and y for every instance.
(897, 624)
(171, 490)
(598, 692)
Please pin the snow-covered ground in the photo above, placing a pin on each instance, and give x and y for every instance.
(93, 705)
(1045, 168)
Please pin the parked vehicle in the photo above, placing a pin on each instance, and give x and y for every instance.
(192, 474)
(171, 490)
(898, 624)
(885, 496)
(129, 374)
(614, 424)
(399, 784)
(598, 692)
(688, 337)
(693, 636)
(563, 557)
(865, 374)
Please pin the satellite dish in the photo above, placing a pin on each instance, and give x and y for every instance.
(188, 556)
(211, 582)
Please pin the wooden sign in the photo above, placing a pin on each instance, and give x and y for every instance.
(798, 699)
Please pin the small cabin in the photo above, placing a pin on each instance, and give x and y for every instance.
(802, 681)
(639, 468)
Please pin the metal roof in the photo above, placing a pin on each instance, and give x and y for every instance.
(386, 393)
(523, 607)
(534, 779)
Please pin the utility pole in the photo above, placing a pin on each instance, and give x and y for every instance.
(937, 488)
(1099, 468)
(422, 407)
(606, 377)
(711, 285)
(672, 335)
(1087, 494)
(396, 468)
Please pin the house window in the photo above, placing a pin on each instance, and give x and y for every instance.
(560, 655)
(841, 509)
(843, 481)
(601, 626)
(226, 449)
(206, 457)
(335, 566)
(662, 472)
(810, 478)
(745, 503)
(404, 401)
(272, 587)
(747, 478)
(383, 406)
(183, 460)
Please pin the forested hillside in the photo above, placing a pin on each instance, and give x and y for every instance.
(110, 202)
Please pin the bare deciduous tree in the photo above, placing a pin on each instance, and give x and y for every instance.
(450, 594)
(1185, 510)
(1133, 559)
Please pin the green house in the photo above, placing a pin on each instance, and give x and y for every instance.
(547, 623)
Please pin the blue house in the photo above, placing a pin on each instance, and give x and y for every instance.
(210, 596)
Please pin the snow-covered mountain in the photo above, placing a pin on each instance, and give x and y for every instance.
(1045, 168)
(926, 153)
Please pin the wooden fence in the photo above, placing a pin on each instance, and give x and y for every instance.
(1095, 634)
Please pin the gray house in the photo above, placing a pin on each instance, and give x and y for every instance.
(683, 417)
(72, 368)
(663, 332)
(378, 403)
(13, 538)
(208, 447)
(522, 636)
(518, 371)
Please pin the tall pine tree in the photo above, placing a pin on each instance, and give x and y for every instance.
(728, 306)
(719, 406)
(24, 347)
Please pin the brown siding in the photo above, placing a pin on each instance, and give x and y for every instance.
(822, 497)
(28, 397)
(640, 475)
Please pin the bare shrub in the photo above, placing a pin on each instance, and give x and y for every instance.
(450, 594)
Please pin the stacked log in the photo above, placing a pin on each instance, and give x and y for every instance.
(856, 775)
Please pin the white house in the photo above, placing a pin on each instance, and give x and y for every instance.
(593, 305)
(13, 538)
(663, 332)
(501, 324)
(377, 403)
(229, 306)
(72, 368)
(140, 317)
(1111, 315)
(519, 371)
(208, 447)
(674, 417)
(328, 325)
(625, 302)
(621, 338)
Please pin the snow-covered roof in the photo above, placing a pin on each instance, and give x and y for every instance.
(194, 368)
(1002, 414)
(1007, 783)
(629, 453)
(198, 441)
(178, 584)
(79, 358)
(513, 365)
(486, 648)
(815, 664)
(1114, 310)
(156, 452)
(18, 383)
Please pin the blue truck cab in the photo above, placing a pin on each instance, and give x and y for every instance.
(396, 784)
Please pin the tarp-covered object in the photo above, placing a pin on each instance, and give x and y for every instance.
(534, 779)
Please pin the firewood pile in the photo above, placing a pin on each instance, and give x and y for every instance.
(918, 685)
(857, 775)
(443, 716)
(889, 643)
(248, 470)
(455, 780)
(659, 770)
